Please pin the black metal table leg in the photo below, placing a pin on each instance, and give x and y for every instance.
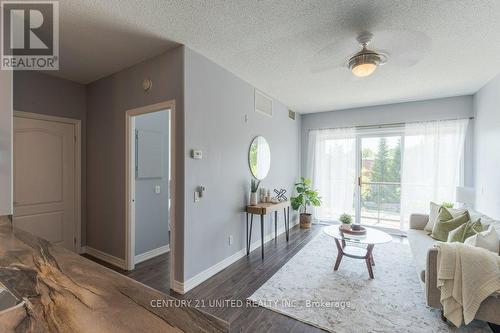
(275, 225)
(262, 234)
(287, 222)
(284, 218)
(246, 240)
(249, 240)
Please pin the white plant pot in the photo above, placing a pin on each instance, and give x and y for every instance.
(253, 199)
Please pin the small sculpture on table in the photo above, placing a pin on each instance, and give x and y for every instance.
(280, 195)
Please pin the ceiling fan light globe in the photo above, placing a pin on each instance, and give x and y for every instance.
(363, 70)
(364, 63)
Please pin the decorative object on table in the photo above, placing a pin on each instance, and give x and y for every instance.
(348, 229)
(259, 157)
(254, 186)
(465, 196)
(280, 195)
(448, 204)
(268, 195)
(345, 218)
(356, 226)
(307, 196)
(263, 194)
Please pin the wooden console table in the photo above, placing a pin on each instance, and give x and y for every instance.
(263, 209)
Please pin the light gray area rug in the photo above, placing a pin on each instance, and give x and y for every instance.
(307, 289)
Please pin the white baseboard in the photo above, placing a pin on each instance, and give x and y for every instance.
(151, 253)
(183, 288)
(110, 259)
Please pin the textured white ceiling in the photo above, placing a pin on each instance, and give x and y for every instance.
(284, 47)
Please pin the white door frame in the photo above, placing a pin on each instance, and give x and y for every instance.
(78, 166)
(130, 182)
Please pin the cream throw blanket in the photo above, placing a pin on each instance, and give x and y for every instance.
(466, 276)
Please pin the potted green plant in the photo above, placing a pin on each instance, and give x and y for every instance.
(306, 196)
(254, 186)
(447, 204)
(345, 218)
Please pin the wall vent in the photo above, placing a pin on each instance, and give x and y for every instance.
(263, 103)
(291, 114)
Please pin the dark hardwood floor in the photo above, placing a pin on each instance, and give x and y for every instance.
(237, 282)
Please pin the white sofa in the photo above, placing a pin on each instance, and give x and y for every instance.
(422, 247)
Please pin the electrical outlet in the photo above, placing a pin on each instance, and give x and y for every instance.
(230, 239)
(157, 189)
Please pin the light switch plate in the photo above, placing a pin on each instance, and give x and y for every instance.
(196, 196)
(157, 189)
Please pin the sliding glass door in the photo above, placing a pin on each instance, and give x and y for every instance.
(379, 180)
(381, 175)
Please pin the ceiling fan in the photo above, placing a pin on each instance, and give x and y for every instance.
(398, 48)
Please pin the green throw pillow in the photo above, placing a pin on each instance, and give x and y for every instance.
(466, 230)
(446, 223)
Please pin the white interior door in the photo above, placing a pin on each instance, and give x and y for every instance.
(44, 179)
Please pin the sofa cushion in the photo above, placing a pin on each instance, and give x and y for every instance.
(487, 240)
(420, 243)
(433, 215)
(446, 223)
(466, 230)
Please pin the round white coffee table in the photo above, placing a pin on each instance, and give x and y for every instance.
(344, 243)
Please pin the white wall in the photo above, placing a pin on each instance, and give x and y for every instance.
(5, 142)
(435, 109)
(216, 103)
(487, 149)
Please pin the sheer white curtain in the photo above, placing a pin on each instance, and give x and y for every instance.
(332, 168)
(432, 164)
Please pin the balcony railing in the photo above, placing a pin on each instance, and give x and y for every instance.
(381, 204)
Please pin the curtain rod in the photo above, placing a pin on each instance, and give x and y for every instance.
(386, 125)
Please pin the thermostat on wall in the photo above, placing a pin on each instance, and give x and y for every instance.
(196, 154)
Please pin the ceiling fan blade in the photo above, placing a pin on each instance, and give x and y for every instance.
(403, 48)
(334, 54)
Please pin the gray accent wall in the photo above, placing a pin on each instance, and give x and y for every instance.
(108, 99)
(5, 142)
(487, 152)
(216, 104)
(151, 208)
(40, 93)
(435, 109)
